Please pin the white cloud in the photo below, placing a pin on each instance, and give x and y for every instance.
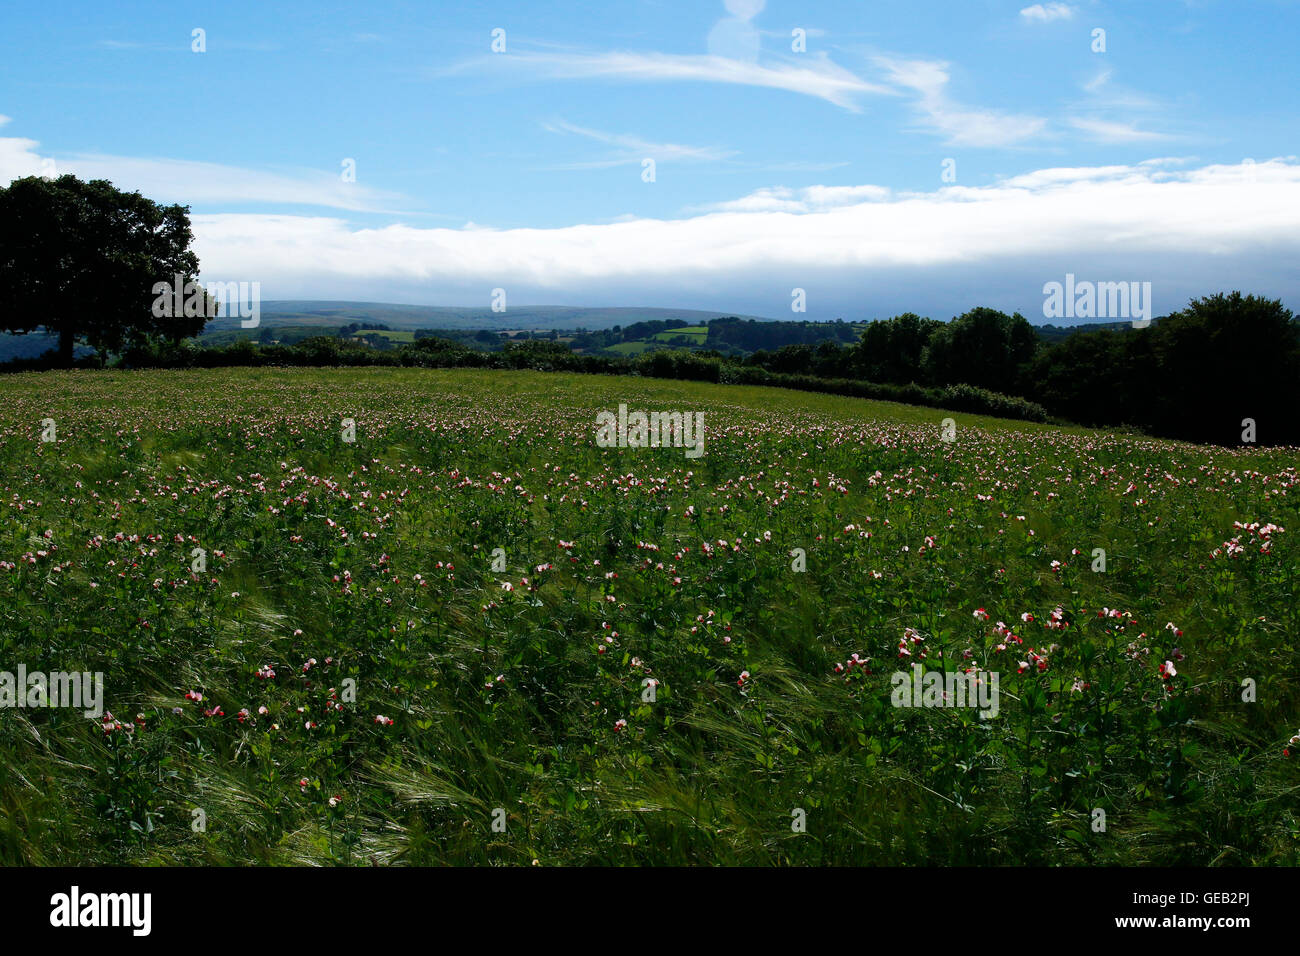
(814, 76)
(1057, 176)
(823, 196)
(1046, 13)
(960, 125)
(1189, 231)
(808, 199)
(767, 199)
(735, 38)
(18, 157)
(744, 9)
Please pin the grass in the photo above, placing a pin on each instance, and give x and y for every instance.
(214, 533)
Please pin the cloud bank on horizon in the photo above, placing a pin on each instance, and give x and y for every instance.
(677, 155)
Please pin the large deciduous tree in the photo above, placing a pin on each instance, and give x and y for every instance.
(1225, 359)
(80, 259)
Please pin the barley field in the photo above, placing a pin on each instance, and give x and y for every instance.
(409, 617)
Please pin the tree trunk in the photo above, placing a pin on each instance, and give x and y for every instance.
(67, 339)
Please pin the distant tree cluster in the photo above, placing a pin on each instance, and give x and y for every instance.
(750, 335)
(728, 336)
(352, 328)
(472, 338)
(1196, 374)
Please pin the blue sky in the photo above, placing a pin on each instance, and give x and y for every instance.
(775, 168)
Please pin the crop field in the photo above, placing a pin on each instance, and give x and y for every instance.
(389, 334)
(408, 617)
(630, 348)
(697, 333)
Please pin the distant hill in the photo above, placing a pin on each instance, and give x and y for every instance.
(33, 345)
(645, 329)
(330, 314)
(409, 317)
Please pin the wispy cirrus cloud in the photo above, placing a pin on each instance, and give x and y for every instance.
(183, 46)
(960, 125)
(1104, 93)
(628, 149)
(193, 181)
(1113, 114)
(816, 76)
(1095, 84)
(197, 182)
(1107, 131)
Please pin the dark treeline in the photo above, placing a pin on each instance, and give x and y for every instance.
(729, 335)
(352, 328)
(1197, 374)
(751, 335)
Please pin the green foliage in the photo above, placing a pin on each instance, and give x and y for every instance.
(1195, 374)
(984, 348)
(367, 565)
(80, 259)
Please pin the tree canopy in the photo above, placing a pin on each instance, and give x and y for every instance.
(80, 259)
